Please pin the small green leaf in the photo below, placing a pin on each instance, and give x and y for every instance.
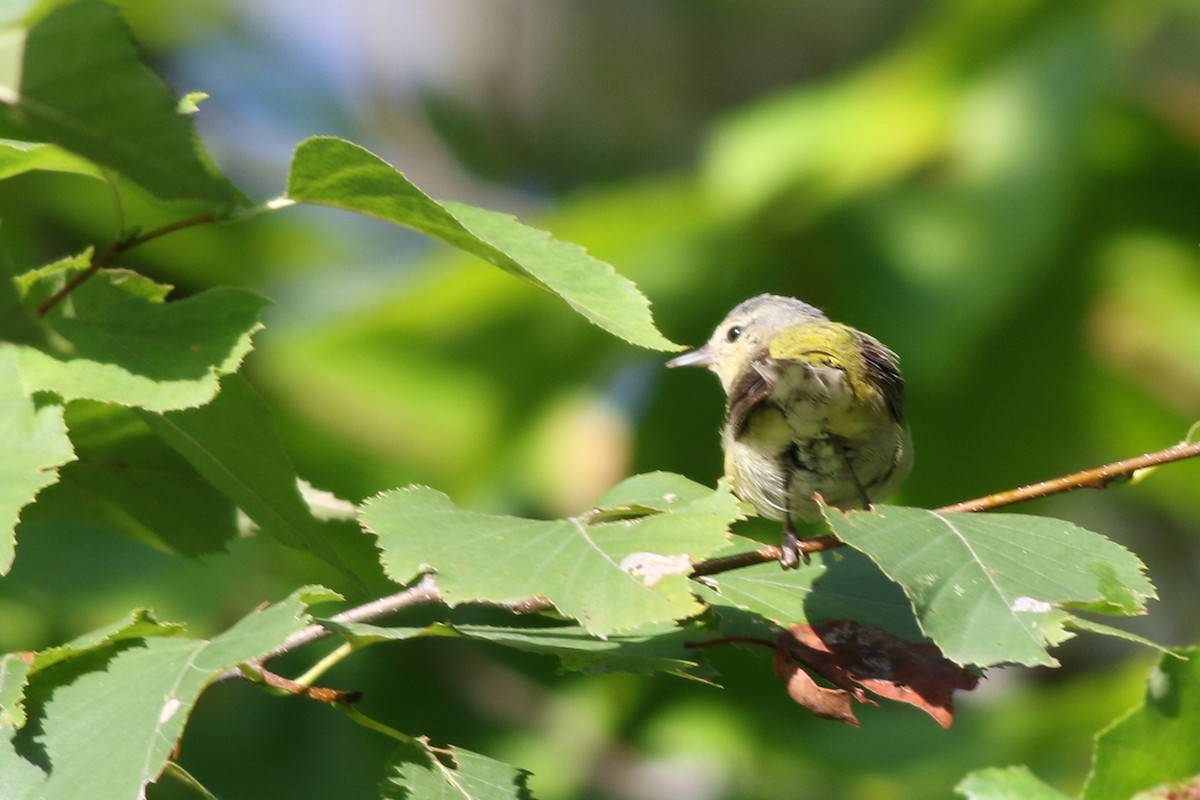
(35, 446)
(82, 86)
(609, 575)
(1154, 744)
(333, 172)
(452, 774)
(103, 722)
(1012, 783)
(996, 588)
(127, 346)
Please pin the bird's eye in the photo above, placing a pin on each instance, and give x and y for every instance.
(733, 333)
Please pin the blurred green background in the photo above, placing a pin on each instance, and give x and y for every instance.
(1005, 193)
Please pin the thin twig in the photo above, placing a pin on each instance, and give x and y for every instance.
(1097, 478)
(123, 246)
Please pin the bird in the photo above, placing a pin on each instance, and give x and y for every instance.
(814, 409)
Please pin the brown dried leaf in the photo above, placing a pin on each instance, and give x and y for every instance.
(824, 702)
(854, 657)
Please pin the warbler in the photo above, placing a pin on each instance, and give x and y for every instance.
(813, 407)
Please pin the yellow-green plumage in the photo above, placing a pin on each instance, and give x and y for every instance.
(814, 407)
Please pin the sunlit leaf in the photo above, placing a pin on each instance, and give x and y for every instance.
(996, 588)
(417, 771)
(333, 172)
(103, 722)
(608, 575)
(1156, 743)
(20, 157)
(1012, 783)
(126, 345)
(35, 444)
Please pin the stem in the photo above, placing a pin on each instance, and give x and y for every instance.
(109, 255)
(325, 664)
(1096, 478)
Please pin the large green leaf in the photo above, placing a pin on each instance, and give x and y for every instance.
(1156, 743)
(996, 588)
(35, 445)
(417, 771)
(81, 84)
(609, 573)
(124, 344)
(333, 172)
(125, 479)
(103, 722)
(1013, 783)
(232, 442)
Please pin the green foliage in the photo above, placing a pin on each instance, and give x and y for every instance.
(126, 409)
(976, 590)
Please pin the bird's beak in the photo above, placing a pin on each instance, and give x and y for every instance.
(700, 357)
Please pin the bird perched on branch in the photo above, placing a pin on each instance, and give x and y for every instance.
(814, 407)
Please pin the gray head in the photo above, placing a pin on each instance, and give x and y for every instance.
(745, 331)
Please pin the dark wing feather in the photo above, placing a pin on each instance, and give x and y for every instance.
(750, 390)
(883, 367)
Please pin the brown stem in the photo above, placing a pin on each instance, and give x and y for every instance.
(1096, 478)
(321, 695)
(123, 246)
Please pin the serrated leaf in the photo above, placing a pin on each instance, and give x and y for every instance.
(452, 774)
(995, 588)
(103, 722)
(1154, 744)
(125, 479)
(610, 576)
(82, 85)
(652, 648)
(333, 172)
(14, 671)
(1011, 783)
(127, 346)
(35, 446)
(17, 158)
(232, 442)
(844, 585)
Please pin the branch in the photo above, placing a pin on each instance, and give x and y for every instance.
(110, 255)
(1096, 478)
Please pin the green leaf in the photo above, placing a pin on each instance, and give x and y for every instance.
(125, 479)
(81, 85)
(652, 648)
(1154, 744)
(996, 588)
(17, 158)
(127, 346)
(232, 442)
(103, 722)
(418, 771)
(14, 671)
(835, 586)
(35, 445)
(333, 172)
(1012, 783)
(608, 575)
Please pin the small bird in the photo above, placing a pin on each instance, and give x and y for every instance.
(813, 407)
